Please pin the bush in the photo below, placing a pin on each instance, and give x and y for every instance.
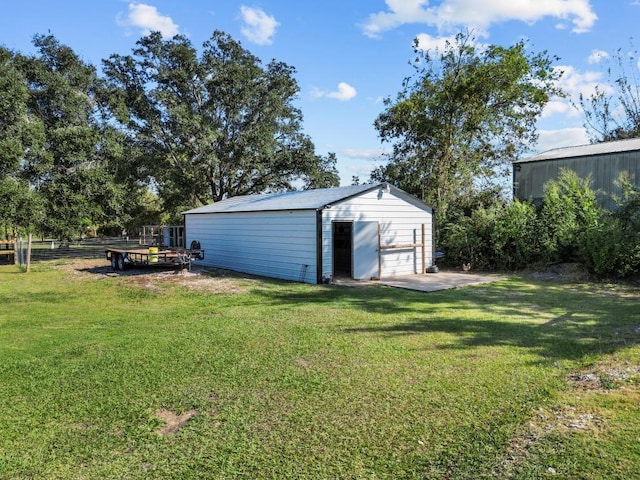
(466, 239)
(498, 237)
(515, 239)
(569, 227)
(569, 210)
(603, 247)
(612, 247)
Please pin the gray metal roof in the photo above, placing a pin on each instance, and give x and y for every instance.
(586, 150)
(297, 200)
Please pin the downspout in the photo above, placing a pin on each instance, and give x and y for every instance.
(433, 236)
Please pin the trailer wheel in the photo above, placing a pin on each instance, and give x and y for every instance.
(120, 263)
(195, 245)
(114, 261)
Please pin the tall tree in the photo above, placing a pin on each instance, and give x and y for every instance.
(464, 114)
(213, 125)
(612, 112)
(69, 171)
(21, 140)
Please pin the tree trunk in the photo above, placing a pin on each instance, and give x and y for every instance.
(29, 252)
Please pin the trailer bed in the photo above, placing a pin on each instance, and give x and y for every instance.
(121, 259)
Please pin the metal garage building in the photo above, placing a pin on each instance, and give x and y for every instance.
(602, 161)
(360, 231)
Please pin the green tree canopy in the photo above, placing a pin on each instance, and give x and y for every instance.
(465, 113)
(63, 159)
(215, 124)
(21, 140)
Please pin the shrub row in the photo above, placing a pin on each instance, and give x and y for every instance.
(569, 226)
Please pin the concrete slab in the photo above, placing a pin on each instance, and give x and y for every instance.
(431, 282)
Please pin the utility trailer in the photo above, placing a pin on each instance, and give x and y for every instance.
(122, 259)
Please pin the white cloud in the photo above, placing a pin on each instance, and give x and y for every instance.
(343, 93)
(565, 137)
(597, 56)
(401, 12)
(258, 27)
(148, 19)
(363, 154)
(559, 107)
(575, 83)
(427, 42)
(479, 15)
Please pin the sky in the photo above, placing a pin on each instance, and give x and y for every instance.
(350, 55)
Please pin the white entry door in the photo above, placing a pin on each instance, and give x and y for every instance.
(365, 250)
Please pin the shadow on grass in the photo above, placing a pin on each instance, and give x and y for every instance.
(108, 271)
(553, 320)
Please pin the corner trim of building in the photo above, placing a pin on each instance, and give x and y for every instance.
(319, 246)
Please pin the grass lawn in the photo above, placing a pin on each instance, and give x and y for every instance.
(170, 376)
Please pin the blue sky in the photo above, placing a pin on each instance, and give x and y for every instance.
(350, 54)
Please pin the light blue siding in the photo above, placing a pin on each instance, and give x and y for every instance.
(282, 243)
(274, 244)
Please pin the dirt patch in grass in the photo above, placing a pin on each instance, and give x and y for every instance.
(213, 281)
(599, 379)
(562, 272)
(81, 266)
(173, 422)
(196, 280)
(543, 423)
(304, 363)
(563, 419)
(606, 377)
(201, 279)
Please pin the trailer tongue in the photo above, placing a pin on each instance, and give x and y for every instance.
(153, 257)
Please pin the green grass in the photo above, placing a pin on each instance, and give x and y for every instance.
(300, 381)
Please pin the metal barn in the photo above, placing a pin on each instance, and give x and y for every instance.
(603, 162)
(360, 231)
